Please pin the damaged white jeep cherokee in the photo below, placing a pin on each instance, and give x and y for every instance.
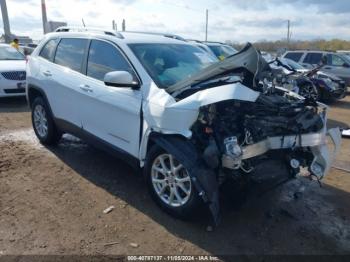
(188, 121)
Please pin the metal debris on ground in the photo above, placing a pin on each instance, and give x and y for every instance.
(346, 133)
(111, 243)
(108, 209)
(134, 245)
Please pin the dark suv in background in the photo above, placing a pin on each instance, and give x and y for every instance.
(337, 63)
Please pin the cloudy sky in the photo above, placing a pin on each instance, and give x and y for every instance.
(235, 20)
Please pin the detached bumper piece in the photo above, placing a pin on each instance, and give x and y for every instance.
(323, 153)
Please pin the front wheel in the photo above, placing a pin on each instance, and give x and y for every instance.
(170, 184)
(310, 92)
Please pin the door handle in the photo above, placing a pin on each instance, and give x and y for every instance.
(47, 73)
(86, 88)
(327, 67)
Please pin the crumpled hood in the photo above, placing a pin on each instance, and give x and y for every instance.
(248, 58)
(12, 65)
(163, 112)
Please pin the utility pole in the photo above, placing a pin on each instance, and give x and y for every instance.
(114, 26)
(206, 24)
(44, 16)
(6, 22)
(123, 25)
(82, 20)
(288, 32)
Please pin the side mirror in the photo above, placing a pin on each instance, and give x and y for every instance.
(346, 65)
(120, 79)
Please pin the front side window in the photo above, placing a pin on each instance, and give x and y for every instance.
(70, 53)
(295, 56)
(168, 64)
(48, 51)
(10, 53)
(104, 58)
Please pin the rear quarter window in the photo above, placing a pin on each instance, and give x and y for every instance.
(295, 56)
(48, 50)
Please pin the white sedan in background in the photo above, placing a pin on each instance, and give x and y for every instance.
(12, 72)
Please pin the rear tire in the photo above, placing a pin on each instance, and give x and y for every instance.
(170, 185)
(43, 124)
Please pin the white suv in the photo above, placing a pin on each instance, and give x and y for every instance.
(190, 122)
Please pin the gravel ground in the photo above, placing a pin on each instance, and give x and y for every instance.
(52, 202)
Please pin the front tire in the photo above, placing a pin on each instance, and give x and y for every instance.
(43, 123)
(170, 184)
(310, 91)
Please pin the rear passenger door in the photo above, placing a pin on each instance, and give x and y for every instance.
(65, 76)
(112, 113)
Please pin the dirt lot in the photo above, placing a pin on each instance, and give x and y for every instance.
(52, 202)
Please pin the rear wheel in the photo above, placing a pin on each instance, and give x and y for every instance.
(170, 184)
(43, 124)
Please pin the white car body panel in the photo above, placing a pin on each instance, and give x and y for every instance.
(113, 114)
(8, 66)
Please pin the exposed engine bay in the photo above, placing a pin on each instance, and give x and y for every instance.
(227, 128)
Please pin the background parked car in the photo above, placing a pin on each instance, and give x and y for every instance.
(328, 85)
(12, 71)
(337, 63)
(221, 50)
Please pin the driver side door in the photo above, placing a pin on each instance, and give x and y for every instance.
(113, 113)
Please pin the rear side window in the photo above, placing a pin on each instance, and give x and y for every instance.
(313, 58)
(48, 51)
(105, 58)
(295, 56)
(70, 53)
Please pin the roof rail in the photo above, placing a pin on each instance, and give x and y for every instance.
(177, 37)
(214, 42)
(194, 40)
(88, 29)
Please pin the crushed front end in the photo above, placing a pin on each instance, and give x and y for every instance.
(237, 136)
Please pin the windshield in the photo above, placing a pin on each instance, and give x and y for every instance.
(292, 64)
(168, 64)
(222, 51)
(10, 53)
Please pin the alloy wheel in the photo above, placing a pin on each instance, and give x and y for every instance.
(171, 180)
(40, 120)
(309, 92)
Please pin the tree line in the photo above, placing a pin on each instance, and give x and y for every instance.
(317, 44)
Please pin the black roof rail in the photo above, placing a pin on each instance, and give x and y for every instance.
(88, 29)
(173, 36)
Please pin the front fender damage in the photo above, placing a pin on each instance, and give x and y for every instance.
(203, 178)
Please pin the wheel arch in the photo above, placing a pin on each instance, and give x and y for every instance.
(153, 138)
(34, 92)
